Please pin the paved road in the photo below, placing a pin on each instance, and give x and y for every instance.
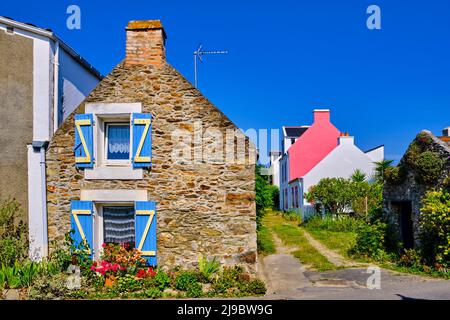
(287, 279)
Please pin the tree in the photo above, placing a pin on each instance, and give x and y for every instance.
(334, 195)
(380, 169)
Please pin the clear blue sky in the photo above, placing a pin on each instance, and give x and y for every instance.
(288, 57)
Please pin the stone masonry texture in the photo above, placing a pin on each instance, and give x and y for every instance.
(206, 208)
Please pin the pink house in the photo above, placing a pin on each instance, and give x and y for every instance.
(312, 146)
(322, 151)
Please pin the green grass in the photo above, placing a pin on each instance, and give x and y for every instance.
(265, 241)
(292, 235)
(341, 242)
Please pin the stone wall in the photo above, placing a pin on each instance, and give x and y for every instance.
(202, 208)
(409, 189)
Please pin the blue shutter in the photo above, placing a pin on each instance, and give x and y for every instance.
(146, 230)
(82, 224)
(142, 140)
(84, 141)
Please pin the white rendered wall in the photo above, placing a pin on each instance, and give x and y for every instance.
(339, 163)
(376, 154)
(75, 83)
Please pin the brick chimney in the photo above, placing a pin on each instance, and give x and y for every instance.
(321, 115)
(145, 43)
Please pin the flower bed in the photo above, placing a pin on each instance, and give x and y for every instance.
(121, 273)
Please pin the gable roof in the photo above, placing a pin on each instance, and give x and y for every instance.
(48, 33)
(294, 131)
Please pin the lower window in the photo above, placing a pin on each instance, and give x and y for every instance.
(119, 225)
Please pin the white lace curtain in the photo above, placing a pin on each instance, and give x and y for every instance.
(119, 224)
(118, 142)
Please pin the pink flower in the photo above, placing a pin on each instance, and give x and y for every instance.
(104, 245)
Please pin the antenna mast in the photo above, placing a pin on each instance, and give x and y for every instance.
(198, 55)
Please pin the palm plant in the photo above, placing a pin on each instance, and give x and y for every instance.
(380, 169)
(358, 176)
(208, 267)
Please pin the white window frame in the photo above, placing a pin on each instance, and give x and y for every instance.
(111, 112)
(110, 162)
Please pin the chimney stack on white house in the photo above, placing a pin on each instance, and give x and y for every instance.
(446, 132)
(145, 43)
(346, 139)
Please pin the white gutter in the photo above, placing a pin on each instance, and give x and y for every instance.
(56, 87)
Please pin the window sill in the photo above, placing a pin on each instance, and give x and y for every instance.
(113, 173)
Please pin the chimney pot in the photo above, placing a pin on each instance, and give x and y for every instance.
(145, 43)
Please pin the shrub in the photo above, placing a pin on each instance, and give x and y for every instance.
(184, 280)
(127, 283)
(255, 286)
(194, 290)
(291, 215)
(13, 234)
(370, 240)
(48, 288)
(162, 280)
(395, 175)
(429, 167)
(435, 223)
(208, 267)
(334, 224)
(410, 258)
(153, 293)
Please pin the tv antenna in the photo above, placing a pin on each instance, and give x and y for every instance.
(198, 55)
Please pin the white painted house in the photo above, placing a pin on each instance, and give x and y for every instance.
(320, 151)
(56, 79)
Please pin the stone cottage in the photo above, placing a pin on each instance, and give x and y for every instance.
(425, 165)
(147, 159)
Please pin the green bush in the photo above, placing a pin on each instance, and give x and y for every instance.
(162, 280)
(127, 283)
(435, 223)
(395, 175)
(335, 224)
(13, 234)
(265, 195)
(48, 288)
(429, 167)
(194, 290)
(370, 240)
(153, 293)
(254, 287)
(184, 280)
(291, 215)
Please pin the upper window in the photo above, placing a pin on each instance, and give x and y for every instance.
(117, 143)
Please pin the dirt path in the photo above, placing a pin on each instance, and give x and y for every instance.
(283, 272)
(332, 256)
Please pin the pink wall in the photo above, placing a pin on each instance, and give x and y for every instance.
(317, 142)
